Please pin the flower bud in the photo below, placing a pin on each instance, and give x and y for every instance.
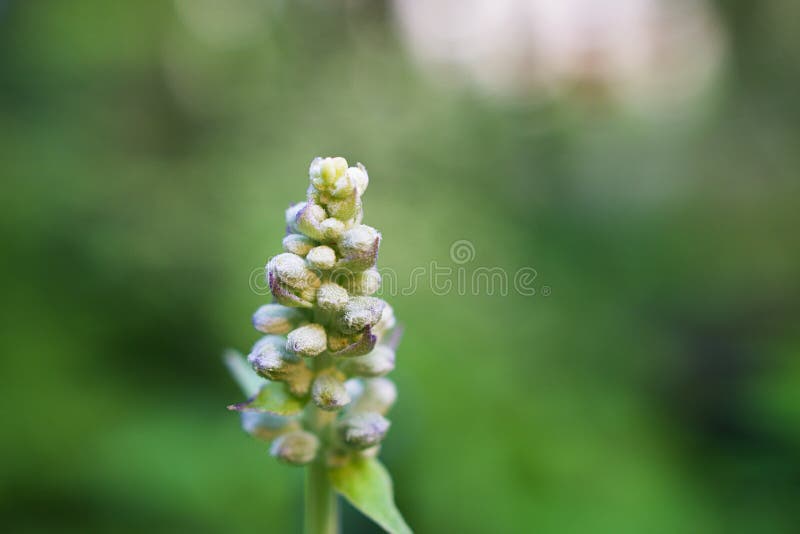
(308, 340)
(386, 322)
(276, 319)
(360, 313)
(345, 208)
(351, 345)
(298, 244)
(371, 395)
(291, 282)
(332, 229)
(377, 363)
(321, 257)
(359, 282)
(271, 360)
(359, 247)
(363, 430)
(309, 220)
(296, 448)
(358, 175)
(331, 297)
(328, 392)
(291, 216)
(266, 426)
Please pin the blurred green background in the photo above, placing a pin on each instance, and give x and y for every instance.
(148, 150)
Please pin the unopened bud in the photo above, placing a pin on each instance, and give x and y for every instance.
(276, 319)
(328, 392)
(386, 322)
(345, 208)
(362, 283)
(371, 395)
(266, 426)
(298, 244)
(377, 363)
(359, 247)
(363, 430)
(332, 229)
(360, 313)
(308, 340)
(358, 175)
(291, 216)
(291, 282)
(332, 297)
(351, 345)
(271, 360)
(321, 257)
(296, 448)
(309, 220)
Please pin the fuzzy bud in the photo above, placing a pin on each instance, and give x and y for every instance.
(308, 340)
(377, 363)
(351, 345)
(271, 360)
(386, 322)
(363, 430)
(345, 208)
(291, 216)
(359, 177)
(360, 313)
(371, 395)
(276, 319)
(332, 297)
(362, 283)
(298, 244)
(309, 220)
(291, 282)
(266, 426)
(321, 257)
(328, 392)
(359, 247)
(296, 448)
(332, 229)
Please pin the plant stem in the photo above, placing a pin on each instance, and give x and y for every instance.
(322, 512)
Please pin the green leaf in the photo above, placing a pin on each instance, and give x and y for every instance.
(273, 397)
(366, 484)
(242, 373)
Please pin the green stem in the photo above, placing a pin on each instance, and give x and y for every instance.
(322, 511)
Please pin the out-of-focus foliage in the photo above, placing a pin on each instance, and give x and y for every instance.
(145, 148)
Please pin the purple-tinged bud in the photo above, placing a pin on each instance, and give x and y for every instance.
(309, 220)
(363, 430)
(360, 313)
(359, 247)
(351, 345)
(271, 360)
(371, 395)
(291, 282)
(295, 448)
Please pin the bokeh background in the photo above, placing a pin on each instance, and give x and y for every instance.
(641, 155)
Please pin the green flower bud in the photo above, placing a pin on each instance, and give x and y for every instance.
(295, 448)
(371, 395)
(309, 220)
(321, 257)
(359, 247)
(332, 229)
(277, 319)
(386, 322)
(270, 359)
(298, 244)
(266, 426)
(308, 340)
(360, 313)
(291, 282)
(345, 208)
(328, 392)
(363, 430)
(377, 363)
(332, 297)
